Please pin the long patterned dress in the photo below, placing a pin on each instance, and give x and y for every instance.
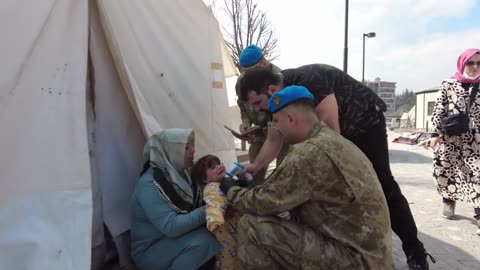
(456, 161)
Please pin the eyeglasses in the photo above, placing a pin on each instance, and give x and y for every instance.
(471, 63)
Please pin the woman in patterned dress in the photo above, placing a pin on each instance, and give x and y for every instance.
(456, 159)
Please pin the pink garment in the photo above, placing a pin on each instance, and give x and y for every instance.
(462, 59)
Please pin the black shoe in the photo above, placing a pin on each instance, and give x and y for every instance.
(419, 261)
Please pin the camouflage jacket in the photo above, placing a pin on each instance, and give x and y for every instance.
(329, 185)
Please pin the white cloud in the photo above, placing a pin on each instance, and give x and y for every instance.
(403, 51)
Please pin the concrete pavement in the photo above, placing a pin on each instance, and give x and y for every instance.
(453, 243)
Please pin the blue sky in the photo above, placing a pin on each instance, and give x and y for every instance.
(453, 24)
(417, 42)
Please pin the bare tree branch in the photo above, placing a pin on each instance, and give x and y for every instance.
(246, 24)
(213, 7)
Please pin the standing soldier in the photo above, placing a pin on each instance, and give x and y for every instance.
(339, 215)
(252, 56)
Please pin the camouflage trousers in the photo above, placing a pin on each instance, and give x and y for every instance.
(253, 151)
(277, 243)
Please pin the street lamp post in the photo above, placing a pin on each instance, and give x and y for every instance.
(369, 35)
(345, 49)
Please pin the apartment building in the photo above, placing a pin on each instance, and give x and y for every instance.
(385, 90)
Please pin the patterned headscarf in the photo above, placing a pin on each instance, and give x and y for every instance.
(165, 152)
(462, 59)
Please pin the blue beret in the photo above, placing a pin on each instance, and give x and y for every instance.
(250, 56)
(286, 96)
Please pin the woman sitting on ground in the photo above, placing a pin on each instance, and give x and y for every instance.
(168, 219)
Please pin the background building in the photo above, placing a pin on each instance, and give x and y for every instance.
(424, 107)
(385, 90)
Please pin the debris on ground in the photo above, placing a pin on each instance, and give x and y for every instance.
(413, 138)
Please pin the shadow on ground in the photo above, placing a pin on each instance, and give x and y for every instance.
(412, 182)
(446, 255)
(461, 217)
(401, 156)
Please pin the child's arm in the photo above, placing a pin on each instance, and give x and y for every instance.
(215, 206)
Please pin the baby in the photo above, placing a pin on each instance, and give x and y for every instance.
(211, 171)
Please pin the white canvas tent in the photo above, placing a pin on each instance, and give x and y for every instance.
(82, 84)
(407, 119)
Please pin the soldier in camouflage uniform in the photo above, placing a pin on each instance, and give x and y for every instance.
(339, 215)
(356, 112)
(252, 56)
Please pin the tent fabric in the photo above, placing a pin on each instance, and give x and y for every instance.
(229, 67)
(168, 65)
(409, 115)
(72, 130)
(119, 139)
(45, 194)
(408, 118)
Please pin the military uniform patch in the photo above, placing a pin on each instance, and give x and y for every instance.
(276, 100)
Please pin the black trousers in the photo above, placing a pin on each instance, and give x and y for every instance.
(375, 146)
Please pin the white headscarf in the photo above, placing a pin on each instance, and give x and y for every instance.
(166, 150)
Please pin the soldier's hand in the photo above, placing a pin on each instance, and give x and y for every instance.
(250, 168)
(246, 183)
(227, 183)
(244, 126)
(251, 139)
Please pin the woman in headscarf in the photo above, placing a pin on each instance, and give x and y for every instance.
(457, 157)
(168, 219)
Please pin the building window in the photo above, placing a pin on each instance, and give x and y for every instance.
(383, 95)
(430, 107)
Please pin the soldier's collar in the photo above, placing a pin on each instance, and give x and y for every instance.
(316, 128)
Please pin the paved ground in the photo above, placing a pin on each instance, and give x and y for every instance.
(453, 243)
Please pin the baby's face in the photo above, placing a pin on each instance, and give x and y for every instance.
(215, 173)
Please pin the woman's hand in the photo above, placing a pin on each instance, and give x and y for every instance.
(434, 142)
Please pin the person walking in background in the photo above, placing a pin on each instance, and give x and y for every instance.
(456, 121)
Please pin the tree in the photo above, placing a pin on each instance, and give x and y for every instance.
(405, 100)
(246, 24)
